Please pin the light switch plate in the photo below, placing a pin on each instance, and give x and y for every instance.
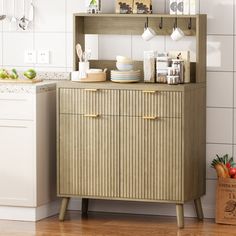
(30, 57)
(43, 57)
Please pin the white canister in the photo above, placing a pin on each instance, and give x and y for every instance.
(180, 7)
(178, 65)
(173, 79)
(186, 10)
(149, 66)
(194, 7)
(173, 7)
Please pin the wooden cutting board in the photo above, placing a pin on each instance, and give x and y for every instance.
(24, 81)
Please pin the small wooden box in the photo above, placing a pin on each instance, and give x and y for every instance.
(226, 201)
(124, 6)
(142, 6)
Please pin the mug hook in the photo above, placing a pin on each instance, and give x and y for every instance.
(161, 23)
(190, 24)
(176, 23)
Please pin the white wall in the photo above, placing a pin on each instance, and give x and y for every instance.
(53, 30)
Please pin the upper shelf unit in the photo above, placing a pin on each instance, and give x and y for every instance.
(126, 24)
(133, 24)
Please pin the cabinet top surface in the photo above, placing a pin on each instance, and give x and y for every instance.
(137, 15)
(130, 86)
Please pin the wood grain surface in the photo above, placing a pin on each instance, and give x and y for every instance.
(104, 224)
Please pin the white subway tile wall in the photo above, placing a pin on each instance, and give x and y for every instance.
(52, 29)
(220, 89)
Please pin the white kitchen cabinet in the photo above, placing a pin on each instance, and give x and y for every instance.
(27, 151)
(17, 165)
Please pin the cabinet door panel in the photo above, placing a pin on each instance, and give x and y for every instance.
(89, 156)
(151, 159)
(17, 158)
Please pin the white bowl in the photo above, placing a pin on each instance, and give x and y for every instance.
(124, 60)
(124, 67)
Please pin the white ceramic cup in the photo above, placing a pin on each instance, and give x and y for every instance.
(83, 66)
(177, 34)
(148, 34)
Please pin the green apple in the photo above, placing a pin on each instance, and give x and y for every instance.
(30, 74)
(14, 74)
(4, 74)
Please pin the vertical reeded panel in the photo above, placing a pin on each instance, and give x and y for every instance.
(151, 103)
(151, 159)
(89, 156)
(89, 101)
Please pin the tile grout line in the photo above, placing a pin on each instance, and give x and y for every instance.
(34, 41)
(2, 39)
(66, 40)
(215, 143)
(233, 76)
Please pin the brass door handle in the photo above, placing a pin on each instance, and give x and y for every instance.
(152, 91)
(91, 90)
(150, 117)
(92, 116)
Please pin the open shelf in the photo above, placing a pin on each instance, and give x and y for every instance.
(133, 24)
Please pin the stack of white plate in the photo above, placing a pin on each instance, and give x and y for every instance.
(131, 76)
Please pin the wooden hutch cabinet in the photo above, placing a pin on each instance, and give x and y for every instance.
(138, 142)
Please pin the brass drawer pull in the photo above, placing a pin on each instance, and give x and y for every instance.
(92, 116)
(150, 117)
(91, 90)
(152, 92)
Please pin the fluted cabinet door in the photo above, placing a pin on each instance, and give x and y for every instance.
(89, 156)
(151, 159)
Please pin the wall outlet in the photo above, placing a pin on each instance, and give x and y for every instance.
(30, 57)
(43, 57)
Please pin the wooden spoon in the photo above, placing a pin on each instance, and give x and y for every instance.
(79, 52)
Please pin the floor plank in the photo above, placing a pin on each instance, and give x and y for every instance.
(104, 224)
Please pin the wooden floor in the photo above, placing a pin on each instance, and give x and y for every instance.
(101, 224)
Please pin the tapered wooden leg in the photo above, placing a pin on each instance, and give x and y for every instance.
(180, 215)
(198, 207)
(85, 203)
(64, 205)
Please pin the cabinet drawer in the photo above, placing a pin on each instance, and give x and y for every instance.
(151, 103)
(89, 101)
(17, 107)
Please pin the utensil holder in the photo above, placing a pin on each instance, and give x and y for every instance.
(83, 68)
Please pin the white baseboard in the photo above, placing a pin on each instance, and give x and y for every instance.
(140, 208)
(29, 213)
(47, 210)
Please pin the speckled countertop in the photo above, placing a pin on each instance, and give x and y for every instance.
(44, 86)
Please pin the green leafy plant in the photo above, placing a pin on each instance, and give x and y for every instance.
(93, 2)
